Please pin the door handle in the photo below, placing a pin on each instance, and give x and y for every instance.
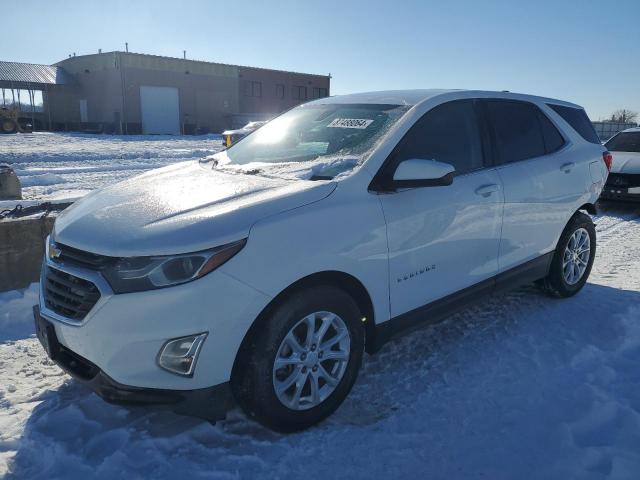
(566, 167)
(487, 190)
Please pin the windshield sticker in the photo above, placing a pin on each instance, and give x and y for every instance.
(359, 123)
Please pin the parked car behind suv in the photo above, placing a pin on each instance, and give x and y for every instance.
(263, 274)
(231, 137)
(624, 180)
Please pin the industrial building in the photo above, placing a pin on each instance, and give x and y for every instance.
(132, 93)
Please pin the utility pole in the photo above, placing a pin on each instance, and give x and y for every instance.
(123, 116)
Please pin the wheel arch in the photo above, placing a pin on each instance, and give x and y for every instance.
(342, 280)
(589, 208)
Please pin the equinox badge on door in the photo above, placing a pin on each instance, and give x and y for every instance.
(409, 276)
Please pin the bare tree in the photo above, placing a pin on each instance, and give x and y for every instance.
(624, 116)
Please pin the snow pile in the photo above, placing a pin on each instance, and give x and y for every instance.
(40, 179)
(69, 165)
(16, 317)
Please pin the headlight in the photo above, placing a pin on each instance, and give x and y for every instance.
(135, 274)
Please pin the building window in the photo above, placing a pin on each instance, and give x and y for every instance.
(279, 90)
(299, 93)
(253, 89)
(319, 92)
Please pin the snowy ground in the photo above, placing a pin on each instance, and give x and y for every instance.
(520, 386)
(68, 165)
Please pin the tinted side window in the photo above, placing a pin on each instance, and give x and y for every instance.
(577, 118)
(517, 129)
(552, 139)
(448, 133)
(624, 142)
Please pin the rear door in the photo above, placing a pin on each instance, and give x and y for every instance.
(443, 239)
(538, 175)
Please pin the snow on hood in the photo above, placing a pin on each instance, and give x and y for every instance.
(181, 208)
(626, 162)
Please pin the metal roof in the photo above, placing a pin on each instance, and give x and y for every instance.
(141, 56)
(30, 73)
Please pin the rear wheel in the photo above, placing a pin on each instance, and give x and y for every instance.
(573, 258)
(302, 361)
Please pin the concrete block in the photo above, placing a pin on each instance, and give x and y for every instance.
(10, 188)
(22, 249)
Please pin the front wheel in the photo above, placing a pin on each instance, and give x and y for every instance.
(573, 258)
(302, 360)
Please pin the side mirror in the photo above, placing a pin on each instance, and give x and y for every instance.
(418, 172)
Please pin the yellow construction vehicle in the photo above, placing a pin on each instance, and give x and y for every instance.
(9, 122)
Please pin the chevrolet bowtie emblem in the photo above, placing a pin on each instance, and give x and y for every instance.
(54, 251)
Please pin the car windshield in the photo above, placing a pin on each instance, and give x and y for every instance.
(624, 142)
(312, 132)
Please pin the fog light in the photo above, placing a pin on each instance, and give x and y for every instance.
(179, 355)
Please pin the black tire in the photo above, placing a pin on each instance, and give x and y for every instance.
(555, 283)
(252, 379)
(8, 126)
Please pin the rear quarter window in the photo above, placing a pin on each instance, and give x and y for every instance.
(577, 118)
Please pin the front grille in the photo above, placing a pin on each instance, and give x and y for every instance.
(68, 295)
(623, 180)
(79, 258)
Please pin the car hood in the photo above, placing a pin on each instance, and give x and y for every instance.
(626, 162)
(181, 208)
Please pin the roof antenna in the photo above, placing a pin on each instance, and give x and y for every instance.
(126, 46)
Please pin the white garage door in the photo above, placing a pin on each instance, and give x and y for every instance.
(160, 110)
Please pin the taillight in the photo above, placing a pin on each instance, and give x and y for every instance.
(608, 159)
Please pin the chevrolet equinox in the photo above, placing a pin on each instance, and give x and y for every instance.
(260, 275)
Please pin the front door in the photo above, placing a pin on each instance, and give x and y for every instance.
(443, 239)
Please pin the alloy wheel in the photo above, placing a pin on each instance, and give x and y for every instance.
(576, 256)
(311, 360)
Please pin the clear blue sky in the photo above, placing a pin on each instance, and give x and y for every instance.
(583, 51)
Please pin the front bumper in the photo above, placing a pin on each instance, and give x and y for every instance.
(209, 403)
(123, 333)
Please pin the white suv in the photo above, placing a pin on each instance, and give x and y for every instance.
(263, 273)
